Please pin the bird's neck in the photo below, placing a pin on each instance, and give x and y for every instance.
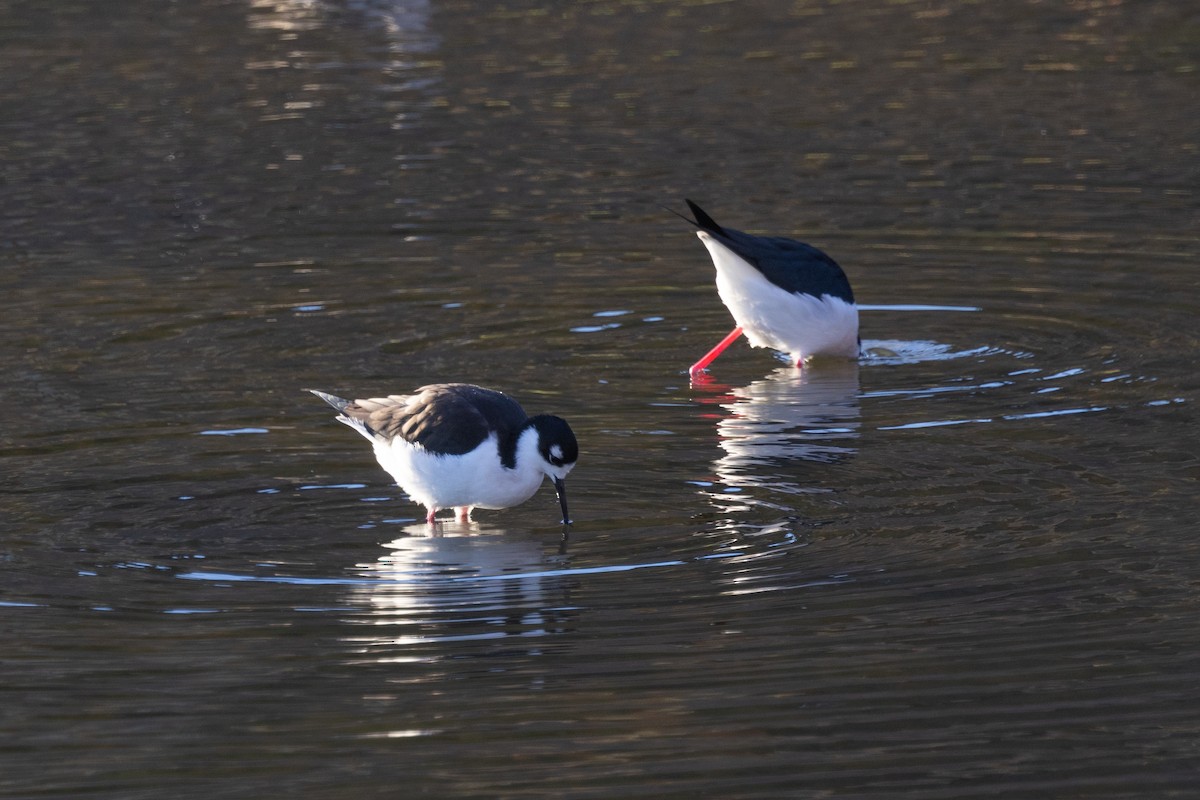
(521, 448)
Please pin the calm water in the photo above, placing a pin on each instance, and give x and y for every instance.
(964, 567)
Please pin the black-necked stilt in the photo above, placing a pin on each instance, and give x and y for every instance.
(455, 445)
(783, 294)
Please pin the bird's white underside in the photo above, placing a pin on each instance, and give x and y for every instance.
(475, 479)
(798, 324)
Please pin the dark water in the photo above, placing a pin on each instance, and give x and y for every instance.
(963, 567)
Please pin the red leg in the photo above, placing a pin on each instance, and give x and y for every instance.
(464, 513)
(711, 355)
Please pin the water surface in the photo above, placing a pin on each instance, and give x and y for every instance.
(960, 567)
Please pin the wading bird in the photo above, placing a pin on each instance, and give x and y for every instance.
(456, 445)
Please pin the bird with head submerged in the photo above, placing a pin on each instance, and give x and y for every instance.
(457, 445)
(783, 294)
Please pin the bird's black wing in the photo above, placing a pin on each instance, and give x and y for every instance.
(447, 418)
(791, 265)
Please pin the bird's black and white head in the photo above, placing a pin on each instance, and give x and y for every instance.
(557, 452)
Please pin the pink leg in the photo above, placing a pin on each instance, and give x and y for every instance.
(464, 513)
(429, 516)
(711, 355)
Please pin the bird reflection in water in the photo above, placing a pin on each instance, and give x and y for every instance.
(768, 426)
(431, 591)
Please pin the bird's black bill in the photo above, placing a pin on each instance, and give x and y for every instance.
(560, 486)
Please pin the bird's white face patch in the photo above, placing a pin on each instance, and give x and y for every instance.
(556, 451)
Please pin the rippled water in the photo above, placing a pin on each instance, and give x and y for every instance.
(961, 567)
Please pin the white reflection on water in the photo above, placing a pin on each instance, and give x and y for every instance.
(791, 416)
(456, 582)
(405, 23)
(780, 437)
(397, 40)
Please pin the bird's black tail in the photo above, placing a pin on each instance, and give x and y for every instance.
(704, 221)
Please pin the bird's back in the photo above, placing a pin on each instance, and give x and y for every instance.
(791, 265)
(443, 418)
